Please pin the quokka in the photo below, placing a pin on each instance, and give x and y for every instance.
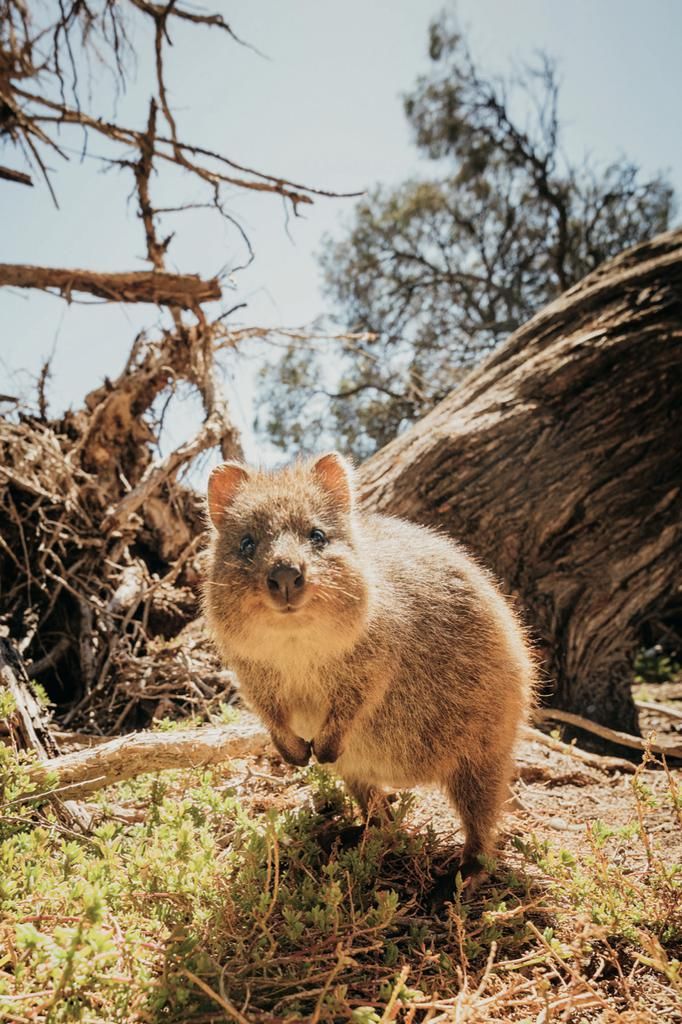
(377, 645)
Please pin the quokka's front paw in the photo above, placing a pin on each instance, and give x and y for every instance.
(294, 749)
(327, 747)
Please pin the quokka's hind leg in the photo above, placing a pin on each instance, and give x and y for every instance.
(478, 791)
(375, 810)
(371, 799)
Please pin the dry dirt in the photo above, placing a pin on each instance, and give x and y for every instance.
(559, 796)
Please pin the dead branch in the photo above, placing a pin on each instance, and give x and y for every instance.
(295, 193)
(211, 433)
(93, 612)
(9, 174)
(51, 658)
(604, 762)
(130, 590)
(660, 709)
(99, 542)
(108, 762)
(86, 771)
(624, 739)
(31, 729)
(185, 291)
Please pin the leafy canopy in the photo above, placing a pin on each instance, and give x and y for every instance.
(441, 271)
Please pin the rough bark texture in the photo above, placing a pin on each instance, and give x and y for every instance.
(184, 291)
(558, 463)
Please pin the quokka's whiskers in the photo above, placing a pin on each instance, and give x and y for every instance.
(327, 586)
(325, 598)
(331, 575)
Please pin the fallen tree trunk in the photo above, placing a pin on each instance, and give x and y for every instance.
(558, 462)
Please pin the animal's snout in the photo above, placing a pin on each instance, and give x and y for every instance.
(286, 583)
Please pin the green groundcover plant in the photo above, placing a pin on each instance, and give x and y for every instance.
(205, 910)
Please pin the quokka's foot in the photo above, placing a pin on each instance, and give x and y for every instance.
(444, 888)
(345, 838)
(349, 836)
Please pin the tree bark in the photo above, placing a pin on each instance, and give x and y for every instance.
(28, 724)
(28, 727)
(85, 771)
(184, 291)
(558, 462)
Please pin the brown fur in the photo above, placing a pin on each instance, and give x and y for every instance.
(403, 666)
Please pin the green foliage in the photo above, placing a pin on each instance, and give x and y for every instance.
(444, 270)
(654, 666)
(202, 907)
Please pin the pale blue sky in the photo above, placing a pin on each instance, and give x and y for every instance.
(324, 108)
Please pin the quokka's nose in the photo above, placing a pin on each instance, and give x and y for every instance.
(286, 583)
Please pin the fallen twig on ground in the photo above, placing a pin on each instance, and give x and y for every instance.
(92, 768)
(624, 739)
(603, 761)
(660, 709)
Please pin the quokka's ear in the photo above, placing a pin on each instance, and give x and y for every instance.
(223, 484)
(335, 475)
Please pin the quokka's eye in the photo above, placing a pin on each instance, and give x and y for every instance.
(247, 546)
(318, 537)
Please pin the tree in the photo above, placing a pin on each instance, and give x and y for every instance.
(98, 538)
(441, 271)
(558, 463)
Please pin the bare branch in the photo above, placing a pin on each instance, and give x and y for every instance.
(212, 433)
(9, 174)
(51, 658)
(33, 733)
(130, 136)
(186, 291)
(623, 739)
(603, 761)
